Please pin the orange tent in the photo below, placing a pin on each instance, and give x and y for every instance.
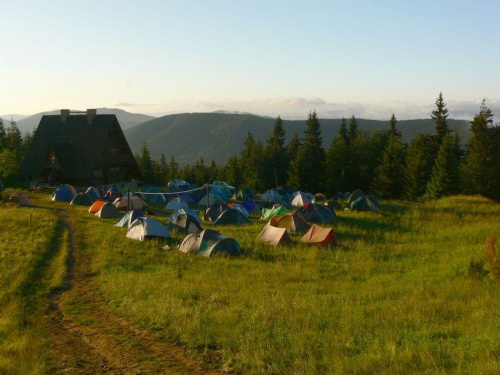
(96, 206)
(320, 236)
(274, 236)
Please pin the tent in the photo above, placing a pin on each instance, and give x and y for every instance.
(96, 206)
(239, 207)
(82, 199)
(316, 213)
(21, 199)
(334, 205)
(129, 218)
(62, 193)
(250, 206)
(210, 242)
(246, 194)
(213, 199)
(300, 200)
(274, 236)
(112, 194)
(147, 228)
(363, 203)
(355, 195)
(212, 213)
(268, 213)
(136, 203)
(93, 193)
(153, 195)
(318, 199)
(70, 187)
(292, 223)
(185, 196)
(184, 222)
(320, 236)
(286, 205)
(270, 196)
(108, 210)
(219, 193)
(177, 204)
(231, 217)
(286, 198)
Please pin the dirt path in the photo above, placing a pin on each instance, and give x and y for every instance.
(87, 339)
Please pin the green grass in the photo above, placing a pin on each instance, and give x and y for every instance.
(394, 297)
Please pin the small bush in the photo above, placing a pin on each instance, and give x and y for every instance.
(491, 256)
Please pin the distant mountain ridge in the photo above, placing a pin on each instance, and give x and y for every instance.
(127, 120)
(217, 136)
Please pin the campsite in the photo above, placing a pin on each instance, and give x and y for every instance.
(407, 289)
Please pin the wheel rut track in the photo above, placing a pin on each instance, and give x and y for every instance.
(103, 342)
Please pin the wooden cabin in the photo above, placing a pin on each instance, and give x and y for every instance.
(80, 148)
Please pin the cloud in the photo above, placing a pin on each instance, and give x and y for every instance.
(134, 105)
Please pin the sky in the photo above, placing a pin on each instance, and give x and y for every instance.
(341, 58)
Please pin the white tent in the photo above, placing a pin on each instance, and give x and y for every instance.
(177, 204)
(145, 227)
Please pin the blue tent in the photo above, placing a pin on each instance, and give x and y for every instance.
(219, 194)
(62, 193)
(250, 206)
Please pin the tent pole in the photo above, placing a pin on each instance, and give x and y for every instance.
(208, 196)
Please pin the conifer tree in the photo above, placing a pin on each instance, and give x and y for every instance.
(3, 135)
(173, 168)
(162, 177)
(390, 172)
(343, 134)
(14, 139)
(419, 163)
(353, 129)
(233, 172)
(311, 160)
(276, 160)
(337, 161)
(440, 115)
(445, 173)
(481, 170)
(146, 164)
(294, 146)
(250, 163)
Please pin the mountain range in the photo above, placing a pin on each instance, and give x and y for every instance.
(217, 136)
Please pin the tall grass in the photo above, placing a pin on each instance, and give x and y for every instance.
(394, 297)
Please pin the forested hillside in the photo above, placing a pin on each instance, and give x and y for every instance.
(218, 136)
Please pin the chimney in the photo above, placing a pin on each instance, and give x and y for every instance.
(64, 115)
(91, 113)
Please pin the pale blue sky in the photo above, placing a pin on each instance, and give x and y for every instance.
(268, 57)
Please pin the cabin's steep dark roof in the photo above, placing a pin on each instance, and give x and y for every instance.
(76, 144)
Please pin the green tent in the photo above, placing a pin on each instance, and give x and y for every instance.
(364, 203)
(268, 213)
(210, 242)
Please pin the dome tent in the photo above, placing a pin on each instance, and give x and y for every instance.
(292, 223)
(82, 199)
(184, 222)
(213, 212)
(316, 213)
(107, 210)
(129, 218)
(147, 228)
(231, 217)
(62, 193)
(210, 242)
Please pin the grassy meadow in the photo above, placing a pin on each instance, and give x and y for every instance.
(406, 291)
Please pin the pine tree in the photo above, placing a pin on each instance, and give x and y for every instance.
(250, 163)
(445, 174)
(481, 172)
(311, 162)
(146, 164)
(420, 160)
(233, 172)
(353, 129)
(162, 170)
(343, 134)
(337, 161)
(15, 140)
(440, 115)
(294, 146)
(173, 168)
(275, 158)
(3, 136)
(390, 172)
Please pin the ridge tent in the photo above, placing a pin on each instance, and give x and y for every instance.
(210, 242)
(364, 203)
(144, 228)
(320, 236)
(268, 213)
(213, 212)
(250, 206)
(62, 193)
(21, 199)
(129, 218)
(292, 223)
(231, 217)
(318, 199)
(93, 193)
(136, 203)
(184, 222)
(96, 206)
(316, 213)
(107, 210)
(301, 199)
(274, 236)
(355, 195)
(214, 199)
(177, 204)
(271, 196)
(82, 199)
(246, 194)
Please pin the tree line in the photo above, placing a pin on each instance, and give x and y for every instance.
(429, 167)
(13, 146)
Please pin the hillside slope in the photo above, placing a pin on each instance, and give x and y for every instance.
(218, 136)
